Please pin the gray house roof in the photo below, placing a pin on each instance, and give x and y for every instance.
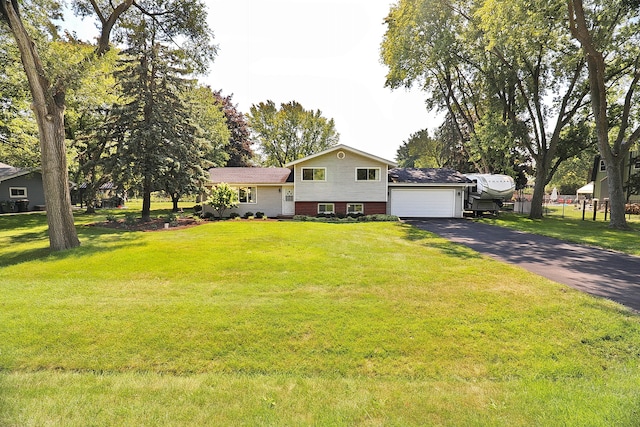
(427, 176)
(9, 172)
(251, 175)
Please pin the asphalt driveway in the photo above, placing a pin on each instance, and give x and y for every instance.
(596, 271)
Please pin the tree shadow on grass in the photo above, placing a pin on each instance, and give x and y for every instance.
(415, 234)
(92, 239)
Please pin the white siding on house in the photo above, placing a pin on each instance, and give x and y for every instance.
(340, 183)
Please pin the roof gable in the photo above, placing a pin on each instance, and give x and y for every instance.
(342, 147)
(427, 176)
(240, 175)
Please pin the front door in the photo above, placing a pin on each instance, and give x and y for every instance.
(288, 205)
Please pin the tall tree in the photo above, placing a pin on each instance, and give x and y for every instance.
(609, 34)
(291, 132)
(187, 172)
(421, 150)
(49, 90)
(493, 66)
(239, 149)
(157, 145)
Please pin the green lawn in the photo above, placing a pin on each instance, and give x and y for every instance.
(567, 224)
(296, 323)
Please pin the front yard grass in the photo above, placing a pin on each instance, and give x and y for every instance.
(567, 224)
(293, 323)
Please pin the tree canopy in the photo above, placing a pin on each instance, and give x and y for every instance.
(29, 24)
(290, 133)
(504, 71)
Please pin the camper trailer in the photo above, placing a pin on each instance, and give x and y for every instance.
(488, 193)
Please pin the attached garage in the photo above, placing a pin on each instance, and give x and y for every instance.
(423, 202)
(426, 192)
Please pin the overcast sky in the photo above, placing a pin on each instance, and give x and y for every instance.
(325, 54)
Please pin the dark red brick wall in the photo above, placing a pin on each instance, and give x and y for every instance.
(311, 208)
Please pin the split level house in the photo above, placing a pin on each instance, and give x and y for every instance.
(343, 180)
(600, 180)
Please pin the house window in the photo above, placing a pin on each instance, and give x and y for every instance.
(314, 174)
(603, 167)
(326, 208)
(355, 208)
(368, 174)
(247, 194)
(17, 192)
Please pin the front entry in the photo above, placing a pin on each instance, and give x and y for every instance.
(288, 204)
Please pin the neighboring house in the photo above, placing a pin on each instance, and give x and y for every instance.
(343, 180)
(600, 181)
(20, 185)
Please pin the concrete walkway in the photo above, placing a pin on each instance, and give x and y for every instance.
(596, 271)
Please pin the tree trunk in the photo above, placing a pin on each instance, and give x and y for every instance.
(49, 111)
(175, 197)
(55, 180)
(538, 193)
(616, 195)
(146, 200)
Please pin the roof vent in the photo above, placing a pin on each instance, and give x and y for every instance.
(341, 155)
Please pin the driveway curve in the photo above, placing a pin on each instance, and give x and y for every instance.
(599, 272)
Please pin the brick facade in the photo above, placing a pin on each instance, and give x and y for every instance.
(311, 208)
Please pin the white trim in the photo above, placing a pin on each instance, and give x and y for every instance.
(343, 148)
(255, 195)
(355, 204)
(21, 196)
(333, 210)
(313, 180)
(379, 177)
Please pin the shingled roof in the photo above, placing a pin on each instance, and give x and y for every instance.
(8, 172)
(251, 175)
(427, 176)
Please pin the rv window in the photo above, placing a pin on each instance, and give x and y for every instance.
(474, 189)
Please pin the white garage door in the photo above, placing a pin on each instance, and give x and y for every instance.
(429, 203)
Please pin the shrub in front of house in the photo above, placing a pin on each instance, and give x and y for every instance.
(208, 215)
(347, 218)
(234, 215)
(259, 215)
(248, 215)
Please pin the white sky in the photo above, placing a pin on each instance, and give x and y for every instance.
(324, 54)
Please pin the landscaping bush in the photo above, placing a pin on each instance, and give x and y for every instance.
(112, 218)
(259, 215)
(234, 215)
(171, 219)
(197, 208)
(130, 219)
(207, 215)
(248, 215)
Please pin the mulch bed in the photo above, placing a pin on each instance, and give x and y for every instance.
(154, 224)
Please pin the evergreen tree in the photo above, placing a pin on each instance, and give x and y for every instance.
(156, 144)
